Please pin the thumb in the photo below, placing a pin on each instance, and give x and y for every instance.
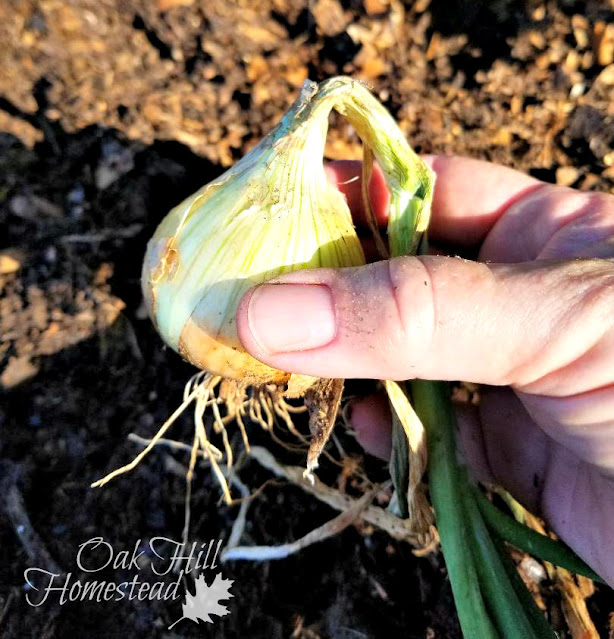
(433, 318)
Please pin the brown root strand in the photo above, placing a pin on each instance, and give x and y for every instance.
(218, 402)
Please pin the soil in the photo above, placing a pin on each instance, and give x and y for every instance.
(111, 112)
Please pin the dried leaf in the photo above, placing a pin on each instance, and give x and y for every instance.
(399, 469)
(574, 592)
(581, 625)
(420, 513)
(322, 401)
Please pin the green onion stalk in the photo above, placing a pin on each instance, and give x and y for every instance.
(275, 212)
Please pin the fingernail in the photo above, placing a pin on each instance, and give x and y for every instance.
(291, 317)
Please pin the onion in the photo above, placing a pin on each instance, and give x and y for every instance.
(273, 212)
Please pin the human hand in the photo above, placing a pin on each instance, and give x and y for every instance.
(532, 320)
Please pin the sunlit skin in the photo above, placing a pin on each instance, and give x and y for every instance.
(532, 320)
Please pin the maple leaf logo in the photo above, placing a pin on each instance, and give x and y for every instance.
(206, 600)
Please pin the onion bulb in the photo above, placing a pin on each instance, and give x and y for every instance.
(271, 213)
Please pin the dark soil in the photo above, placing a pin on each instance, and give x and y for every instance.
(110, 113)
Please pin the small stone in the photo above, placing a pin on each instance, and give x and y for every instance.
(104, 177)
(577, 90)
(533, 569)
(567, 175)
(51, 254)
(19, 206)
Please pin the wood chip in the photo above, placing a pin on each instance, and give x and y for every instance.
(165, 5)
(606, 76)
(603, 42)
(579, 26)
(18, 370)
(567, 175)
(420, 6)
(9, 263)
(375, 7)
(503, 137)
(589, 182)
(574, 591)
(330, 17)
(370, 62)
